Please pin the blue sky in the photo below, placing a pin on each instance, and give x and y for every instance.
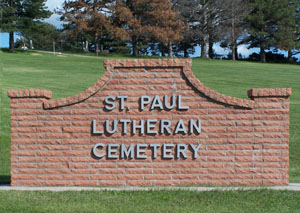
(53, 4)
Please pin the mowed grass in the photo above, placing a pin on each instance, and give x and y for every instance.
(151, 201)
(68, 75)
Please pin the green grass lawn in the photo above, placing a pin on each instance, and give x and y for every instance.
(151, 201)
(68, 75)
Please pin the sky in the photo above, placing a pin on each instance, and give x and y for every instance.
(54, 19)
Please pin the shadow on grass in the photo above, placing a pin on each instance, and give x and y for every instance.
(4, 179)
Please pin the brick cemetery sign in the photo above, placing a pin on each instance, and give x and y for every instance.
(149, 122)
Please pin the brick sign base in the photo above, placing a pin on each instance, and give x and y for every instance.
(63, 142)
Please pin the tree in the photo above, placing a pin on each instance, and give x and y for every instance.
(287, 36)
(21, 16)
(233, 23)
(188, 11)
(164, 23)
(139, 21)
(264, 22)
(86, 16)
(203, 18)
(214, 25)
(128, 22)
(9, 18)
(42, 35)
(210, 14)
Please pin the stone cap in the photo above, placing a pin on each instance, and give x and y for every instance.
(29, 93)
(269, 92)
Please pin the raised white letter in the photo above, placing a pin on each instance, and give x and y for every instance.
(179, 104)
(127, 152)
(180, 127)
(181, 148)
(95, 152)
(114, 129)
(122, 100)
(135, 126)
(156, 103)
(167, 150)
(140, 149)
(195, 150)
(94, 130)
(111, 151)
(150, 124)
(144, 100)
(196, 126)
(109, 105)
(154, 146)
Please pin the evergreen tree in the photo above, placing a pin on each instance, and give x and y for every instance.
(287, 36)
(9, 20)
(264, 22)
(21, 16)
(42, 35)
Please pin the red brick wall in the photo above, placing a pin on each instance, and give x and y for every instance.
(244, 142)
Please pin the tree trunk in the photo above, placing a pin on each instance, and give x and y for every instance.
(101, 44)
(134, 47)
(210, 49)
(262, 54)
(170, 50)
(233, 39)
(11, 34)
(205, 32)
(12, 42)
(185, 51)
(96, 44)
(162, 49)
(290, 55)
(61, 45)
(101, 48)
(97, 48)
(86, 46)
(234, 51)
(203, 49)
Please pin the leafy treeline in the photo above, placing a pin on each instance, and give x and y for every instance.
(135, 21)
(160, 27)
